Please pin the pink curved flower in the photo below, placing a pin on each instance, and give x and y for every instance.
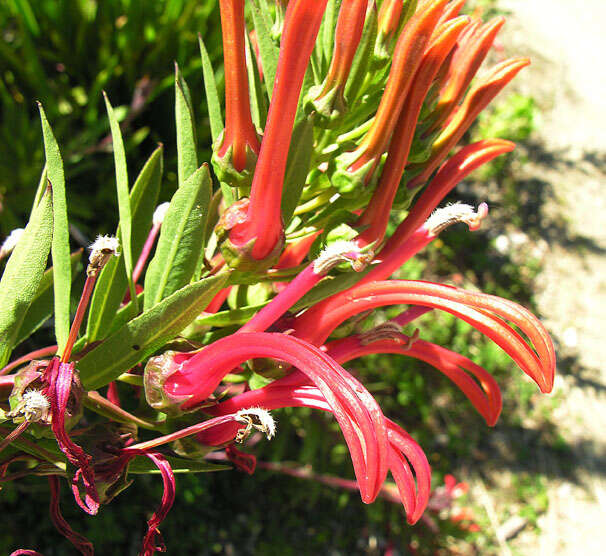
(358, 414)
(475, 382)
(402, 451)
(484, 312)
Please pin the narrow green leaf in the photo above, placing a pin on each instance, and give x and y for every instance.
(187, 160)
(226, 318)
(359, 66)
(258, 101)
(143, 465)
(62, 280)
(147, 333)
(23, 273)
(41, 187)
(267, 48)
(327, 32)
(112, 284)
(297, 166)
(123, 196)
(212, 96)
(41, 307)
(181, 239)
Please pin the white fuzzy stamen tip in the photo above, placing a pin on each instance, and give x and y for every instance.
(103, 248)
(35, 405)
(10, 242)
(160, 213)
(108, 245)
(339, 252)
(446, 216)
(255, 418)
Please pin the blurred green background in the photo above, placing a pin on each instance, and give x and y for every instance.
(64, 53)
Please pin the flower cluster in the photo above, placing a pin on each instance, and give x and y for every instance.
(335, 121)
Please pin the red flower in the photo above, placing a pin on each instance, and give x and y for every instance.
(260, 234)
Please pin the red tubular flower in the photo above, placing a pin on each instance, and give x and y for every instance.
(459, 166)
(403, 451)
(412, 235)
(376, 215)
(483, 392)
(484, 312)
(487, 87)
(357, 412)
(464, 65)
(334, 254)
(328, 98)
(262, 231)
(355, 168)
(238, 146)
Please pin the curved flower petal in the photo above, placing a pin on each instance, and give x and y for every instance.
(402, 451)
(483, 392)
(199, 376)
(480, 310)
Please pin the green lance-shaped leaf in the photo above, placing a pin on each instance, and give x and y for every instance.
(359, 67)
(41, 307)
(23, 273)
(258, 101)
(212, 95)
(267, 48)
(147, 333)
(112, 283)
(41, 187)
(297, 165)
(123, 195)
(143, 465)
(60, 248)
(327, 32)
(187, 160)
(181, 239)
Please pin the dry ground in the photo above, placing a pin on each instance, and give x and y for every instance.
(568, 169)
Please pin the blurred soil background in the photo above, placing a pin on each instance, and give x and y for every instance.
(564, 180)
(538, 479)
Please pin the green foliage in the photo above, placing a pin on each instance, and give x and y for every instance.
(64, 53)
(180, 242)
(112, 282)
(23, 273)
(145, 334)
(60, 244)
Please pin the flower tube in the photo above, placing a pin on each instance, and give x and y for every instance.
(328, 98)
(376, 215)
(260, 235)
(487, 87)
(198, 377)
(465, 63)
(238, 146)
(355, 168)
(403, 451)
(482, 311)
